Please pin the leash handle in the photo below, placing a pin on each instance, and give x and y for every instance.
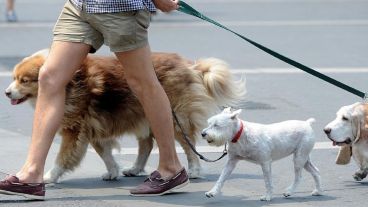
(224, 153)
(185, 8)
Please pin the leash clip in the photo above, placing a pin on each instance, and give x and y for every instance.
(365, 98)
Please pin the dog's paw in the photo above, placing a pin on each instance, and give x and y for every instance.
(357, 177)
(194, 173)
(133, 172)
(287, 194)
(52, 176)
(266, 198)
(317, 192)
(211, 194)
(112, 174)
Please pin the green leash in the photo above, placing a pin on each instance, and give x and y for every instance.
(185, 8)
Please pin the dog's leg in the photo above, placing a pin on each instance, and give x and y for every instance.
(313, 170)
(267, 174)
(194, 166)
(71, 152)
(145, 146)
(230, 165)
(360, 174)
(299, 162)
(104, 150)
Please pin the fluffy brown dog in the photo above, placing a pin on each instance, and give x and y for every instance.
(100, 107)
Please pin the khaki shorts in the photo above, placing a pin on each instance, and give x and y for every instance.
(121, 31)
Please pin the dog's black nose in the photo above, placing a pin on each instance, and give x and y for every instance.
(203, 134)
(327, 130)
(7, 93)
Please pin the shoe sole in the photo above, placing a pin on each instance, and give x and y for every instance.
(34, 197)
(165, 192)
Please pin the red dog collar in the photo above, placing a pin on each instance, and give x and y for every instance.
(238, 134)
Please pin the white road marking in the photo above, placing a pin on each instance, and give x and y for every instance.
(277, 23)
(200, 23)
(351, 70)
(6, 74)
(203, 149)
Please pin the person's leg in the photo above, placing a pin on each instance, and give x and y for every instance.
(9, 5)
(63, 60)
(10, 12)
(141, 77)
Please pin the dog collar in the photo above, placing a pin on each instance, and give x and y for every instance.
(238, 134)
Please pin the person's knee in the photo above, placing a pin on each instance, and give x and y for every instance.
(140, 87)
(49, 81)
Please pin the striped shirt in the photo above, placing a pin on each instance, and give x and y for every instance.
(111, 6)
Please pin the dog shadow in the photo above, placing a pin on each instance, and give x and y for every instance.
(188, 199)
(353, 183)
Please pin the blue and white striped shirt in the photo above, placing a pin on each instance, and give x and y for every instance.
(111, 6)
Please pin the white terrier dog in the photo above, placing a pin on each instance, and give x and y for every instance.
(262, 144)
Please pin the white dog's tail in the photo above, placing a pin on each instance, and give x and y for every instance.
(220, 83)
(310, 121)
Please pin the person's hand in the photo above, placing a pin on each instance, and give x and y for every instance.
(166, 5)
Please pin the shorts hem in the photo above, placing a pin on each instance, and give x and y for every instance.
(129, 47)
(94, 47)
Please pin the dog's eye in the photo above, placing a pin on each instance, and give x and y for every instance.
(345, 118)
(24, 81)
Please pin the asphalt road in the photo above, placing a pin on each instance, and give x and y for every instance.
(329, 35)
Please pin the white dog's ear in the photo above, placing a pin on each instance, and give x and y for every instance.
(227, 110)
(235, 114)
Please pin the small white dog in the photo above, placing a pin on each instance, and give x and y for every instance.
(262, 144)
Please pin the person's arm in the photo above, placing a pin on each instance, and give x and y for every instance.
(166, 5)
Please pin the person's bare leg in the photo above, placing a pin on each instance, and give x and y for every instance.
(141, 77)
(63, 60)
(10, 5)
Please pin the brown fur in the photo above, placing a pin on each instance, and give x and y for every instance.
(100, 106)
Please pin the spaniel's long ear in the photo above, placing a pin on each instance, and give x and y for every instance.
(360, 122)
(344, 156)
(356, 123)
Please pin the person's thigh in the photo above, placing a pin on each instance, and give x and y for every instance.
(138, 66)
(123, 31)
(64, 59)
(73, 26)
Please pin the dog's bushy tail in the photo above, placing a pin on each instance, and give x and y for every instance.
(310, 121)
(220, 84)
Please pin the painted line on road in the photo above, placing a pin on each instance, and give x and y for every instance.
(6, 74)
(294, 71)
(267, 71)
(301, 23)
(203, 149)
(270, 1)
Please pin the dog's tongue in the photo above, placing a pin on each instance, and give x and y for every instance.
(15, 101)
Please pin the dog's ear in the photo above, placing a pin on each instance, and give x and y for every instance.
(360, 122)
(344, 156)
(235, 114)
(227, 110)
(356, 126)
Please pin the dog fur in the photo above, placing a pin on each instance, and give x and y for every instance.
(100, 107)
(349, 130)
(263, 144)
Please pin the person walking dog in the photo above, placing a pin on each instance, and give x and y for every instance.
(82, 27)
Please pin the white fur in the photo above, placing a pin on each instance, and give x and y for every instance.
(263, 144)
(349, 127)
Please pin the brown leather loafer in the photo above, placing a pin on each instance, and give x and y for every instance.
(154, 185)
(12, 186)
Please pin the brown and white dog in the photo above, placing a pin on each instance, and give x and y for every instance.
(350, 131)
(100, 106)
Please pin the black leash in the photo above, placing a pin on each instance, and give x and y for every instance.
(185, 8)
(185, 137)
